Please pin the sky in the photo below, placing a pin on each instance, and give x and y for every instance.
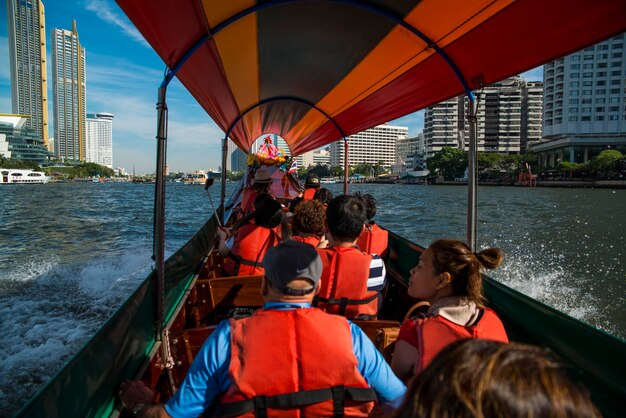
(123, 74)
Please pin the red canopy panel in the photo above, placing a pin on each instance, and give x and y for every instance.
(283, 68)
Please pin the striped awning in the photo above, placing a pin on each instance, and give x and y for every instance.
(312, 71)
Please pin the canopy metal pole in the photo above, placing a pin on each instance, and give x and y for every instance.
(223, 192)
(345, 165)
(472, 180)
(159, 210)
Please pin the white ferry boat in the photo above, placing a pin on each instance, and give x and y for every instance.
(20, 176)
(197, 177)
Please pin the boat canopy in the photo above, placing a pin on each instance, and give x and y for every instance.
(316, 71)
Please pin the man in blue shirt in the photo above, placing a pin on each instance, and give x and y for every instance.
(226, 366)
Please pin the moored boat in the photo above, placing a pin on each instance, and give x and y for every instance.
(22, 176)
(374, 65)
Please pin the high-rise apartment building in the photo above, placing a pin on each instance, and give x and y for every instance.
(584, 104)
(315, 157)
(374, 145)
(99, 143)
(507, 119)
(410, 153)
(27, 61)
(69, 94)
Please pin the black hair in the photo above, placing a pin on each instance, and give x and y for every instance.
(345, 217)
(369, 202)
(269, 213)
(323, 195)
(294, 202)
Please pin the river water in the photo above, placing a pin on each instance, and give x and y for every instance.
(71, 253)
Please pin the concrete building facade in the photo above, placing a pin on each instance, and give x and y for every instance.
(584, 104)
(99, 143)
(508, 118)
(374, 145)
(19, 142)
(27, 63)
(69, 94)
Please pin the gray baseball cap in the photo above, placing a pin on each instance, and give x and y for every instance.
(291, 260)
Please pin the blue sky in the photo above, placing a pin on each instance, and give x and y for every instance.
(123, 74)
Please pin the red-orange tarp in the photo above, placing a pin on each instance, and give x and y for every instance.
(306, 61)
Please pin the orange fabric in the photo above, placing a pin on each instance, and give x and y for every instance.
(277, 352)
(251, 243)
(312, 239)
(345, 275)
(309, 193)
(435, 333)
(373, 240)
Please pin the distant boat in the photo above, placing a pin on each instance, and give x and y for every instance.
(198, 177)
(329, 180)
(22, 176)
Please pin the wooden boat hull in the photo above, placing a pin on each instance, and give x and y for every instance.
(125, 347)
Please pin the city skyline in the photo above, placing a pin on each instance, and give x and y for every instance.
(123, 76)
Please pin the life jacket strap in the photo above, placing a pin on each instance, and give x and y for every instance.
(259, 404)
(343, 302)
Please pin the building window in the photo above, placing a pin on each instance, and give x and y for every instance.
(601, 74)
(616, 64)
(600, 117)
(573, 84)
(588, 66)
(573, 101)
(615, 82)
(576, 57)
(573, 110)
(587, 75)
(613, 117)
(601, 83)
(587, 83)
(588, 57)
(600, 91)
(586, 101)
(574, 67)
(613, 99)
(602, 65)
(573, 93)
(618, 46)
(586, 110)
(586, 92)
(585, 118)
(574, 75)
(616, 55)
(573, 118)
(614, 109)
(600, 109)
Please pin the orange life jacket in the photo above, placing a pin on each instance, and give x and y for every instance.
(276, 369)
(309, 193)
(343, 286)
(311, 239)
(250, 245)
(373, 240)
(435, 332)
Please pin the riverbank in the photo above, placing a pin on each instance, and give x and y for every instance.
(586, 184)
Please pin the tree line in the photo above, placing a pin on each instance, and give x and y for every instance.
(451, 163)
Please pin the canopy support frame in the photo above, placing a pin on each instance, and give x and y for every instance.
(472, 211)
(472, 179)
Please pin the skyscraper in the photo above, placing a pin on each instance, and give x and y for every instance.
(585, 104)
(99, 143)
(374, 145)
(27, 58)
(69, 94)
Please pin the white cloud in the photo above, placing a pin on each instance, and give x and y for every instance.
(104, 11)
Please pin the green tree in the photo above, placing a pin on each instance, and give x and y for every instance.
(449, 163)
(9, 163)
(606, 161)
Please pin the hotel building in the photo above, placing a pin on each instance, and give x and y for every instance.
(374, 145)
(508, 117)
(99, 143)
(69, 94)
(584, 104)
(27, 63)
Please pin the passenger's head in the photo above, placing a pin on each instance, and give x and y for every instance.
(262, 180)
(292, 270)
(450, 268)
(268, 213)
(260, 198)
(481, 378)
(293, 203)
(345, 218)
(323, 195)
(312, 180)
(309, 218)
(370, 204)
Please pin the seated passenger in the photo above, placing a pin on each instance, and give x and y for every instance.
(244, 255)
(449, 277)
(493, 380)
(261, 184)
(308, 222)
(287, 359)
(324, 196)
(351, 278)
(373, 239)
(311, 185)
